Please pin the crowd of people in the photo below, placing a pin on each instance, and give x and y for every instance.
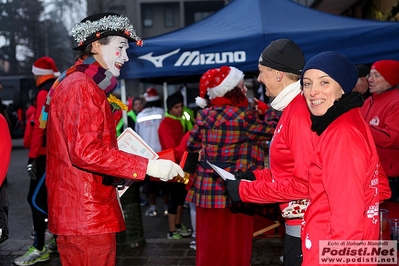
(332, 125)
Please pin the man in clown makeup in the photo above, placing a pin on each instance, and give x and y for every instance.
(82, 149)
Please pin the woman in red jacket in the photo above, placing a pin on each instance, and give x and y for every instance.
(292, 145)
(346, 181)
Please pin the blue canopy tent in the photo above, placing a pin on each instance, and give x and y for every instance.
(237, 34)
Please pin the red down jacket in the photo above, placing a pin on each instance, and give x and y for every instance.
(81, 149)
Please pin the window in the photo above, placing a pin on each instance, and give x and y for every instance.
(148, 20)
(169, 17)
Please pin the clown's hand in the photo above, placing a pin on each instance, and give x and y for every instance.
(163, 169)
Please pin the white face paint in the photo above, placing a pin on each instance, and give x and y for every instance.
(114, 54)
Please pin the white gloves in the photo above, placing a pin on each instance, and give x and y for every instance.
(163, 169)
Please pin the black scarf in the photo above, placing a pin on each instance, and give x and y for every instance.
(341, 106)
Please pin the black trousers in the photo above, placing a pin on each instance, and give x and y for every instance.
(3, 212)
(292, 251)
(178, 195)
(37, 199)
(394, 185)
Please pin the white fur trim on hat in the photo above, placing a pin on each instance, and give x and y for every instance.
(230, 82)
(41, 72)
(45, 66)
(201, 102)
(151, 98)
(151, 95)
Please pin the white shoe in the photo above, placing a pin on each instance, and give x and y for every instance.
(52, 246)
(184, 231)
(193, 245)
(32, 256)
(151, 212)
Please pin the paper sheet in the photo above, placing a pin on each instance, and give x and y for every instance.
(129, 141)
(223, 173)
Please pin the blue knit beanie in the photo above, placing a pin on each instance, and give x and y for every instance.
(337, 66)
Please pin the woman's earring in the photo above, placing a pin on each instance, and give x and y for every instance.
(278, 79)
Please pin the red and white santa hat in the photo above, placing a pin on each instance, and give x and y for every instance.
(151, 95)
(45, 66)
(217, 82)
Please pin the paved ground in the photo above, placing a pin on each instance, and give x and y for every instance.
(156, 252)
(153, 246)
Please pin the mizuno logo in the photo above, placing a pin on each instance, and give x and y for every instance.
(158, 60)
(195, 58)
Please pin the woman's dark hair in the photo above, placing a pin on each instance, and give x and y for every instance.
(235, 95)
(82, 54)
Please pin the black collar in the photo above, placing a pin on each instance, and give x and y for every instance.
(341, 106)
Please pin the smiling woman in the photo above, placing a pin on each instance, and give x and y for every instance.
(321, 91)
(323, 83)
(328, 79)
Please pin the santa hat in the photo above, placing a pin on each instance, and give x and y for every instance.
(217, 82)
(45, 66)
(389, 69)
(151, 95)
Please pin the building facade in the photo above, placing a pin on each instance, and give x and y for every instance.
(154, 17)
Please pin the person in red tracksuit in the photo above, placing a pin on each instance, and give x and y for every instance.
(345, 179)
(29, 122)
(45, 72)
(171, 131)
(292, 145)
(381, 112)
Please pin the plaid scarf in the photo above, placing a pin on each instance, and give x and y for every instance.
(104, 79)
